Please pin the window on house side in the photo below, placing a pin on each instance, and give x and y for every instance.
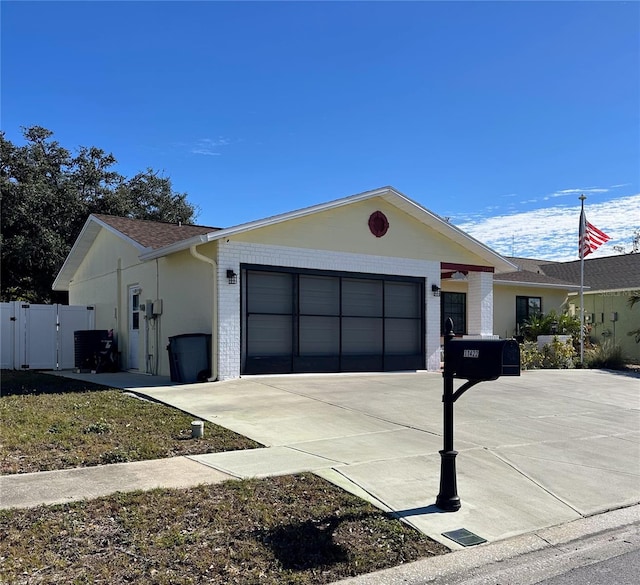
(527, 307)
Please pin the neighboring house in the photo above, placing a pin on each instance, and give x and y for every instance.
(609, 283)
(355, 284)
(528, 291)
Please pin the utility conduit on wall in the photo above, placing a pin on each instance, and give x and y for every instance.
(214, 320)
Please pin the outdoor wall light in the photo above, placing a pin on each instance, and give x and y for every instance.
(435, 289)
(232, 277)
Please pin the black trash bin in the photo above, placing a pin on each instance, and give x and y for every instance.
(190, 357)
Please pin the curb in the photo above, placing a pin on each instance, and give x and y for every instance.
(458, 566)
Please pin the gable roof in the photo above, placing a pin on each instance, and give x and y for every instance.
(389, 194)
(152, 235)
(157, 239)
(144, 235)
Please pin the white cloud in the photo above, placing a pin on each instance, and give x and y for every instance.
(209, 146)
(566, 192)
(552, 233)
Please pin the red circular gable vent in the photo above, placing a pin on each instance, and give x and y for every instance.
(378, 224)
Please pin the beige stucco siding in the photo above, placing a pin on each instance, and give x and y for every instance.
(186, 283)
(504, 305)
(602, 329)
(182, 283)
(346, 229)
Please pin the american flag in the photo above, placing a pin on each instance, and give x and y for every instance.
(591, 238)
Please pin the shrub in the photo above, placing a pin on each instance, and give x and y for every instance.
(558, 354)
(607, 355)
(554, 355)
(530, 357)
(564, 324)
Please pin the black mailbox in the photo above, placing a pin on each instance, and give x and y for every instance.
(482, 359)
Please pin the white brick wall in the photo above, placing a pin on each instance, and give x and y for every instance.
(232, 254)
(480, 304)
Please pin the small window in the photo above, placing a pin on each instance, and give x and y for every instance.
(135, 311)
(527, 307)
(454, 305)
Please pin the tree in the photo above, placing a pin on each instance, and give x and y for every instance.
(46, 195)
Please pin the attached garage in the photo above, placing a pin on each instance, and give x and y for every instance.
(317, 321)
(351, 285)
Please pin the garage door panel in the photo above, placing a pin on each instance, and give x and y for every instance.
(402, 336)
(312, 364)
(269, 335)
(319, 295)
(395, 363)
(269, 292)
(268, 365)
(361, 336)
(362, 297)
(361, 363)
(402, 299)
(319, 336)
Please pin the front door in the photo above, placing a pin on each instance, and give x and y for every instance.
(133, 362)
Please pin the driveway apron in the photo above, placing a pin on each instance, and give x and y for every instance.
(535, 451)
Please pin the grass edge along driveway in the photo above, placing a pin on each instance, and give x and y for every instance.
(292, 529)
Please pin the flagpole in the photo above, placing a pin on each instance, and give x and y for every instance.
(581, 240)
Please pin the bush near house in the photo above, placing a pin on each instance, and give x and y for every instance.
(607, 355)
(554, 355)
(550, 324)
(557, 354)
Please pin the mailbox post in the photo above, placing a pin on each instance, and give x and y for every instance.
(448, 499)
(476, 360)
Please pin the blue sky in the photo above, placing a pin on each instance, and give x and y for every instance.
(494, 114)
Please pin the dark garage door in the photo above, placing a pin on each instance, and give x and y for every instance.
(307, 321)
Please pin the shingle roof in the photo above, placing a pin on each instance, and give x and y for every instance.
(532, 278)
(530, 264)
(603, 273)
(153, 234)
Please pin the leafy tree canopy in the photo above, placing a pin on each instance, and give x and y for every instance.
(46, 195)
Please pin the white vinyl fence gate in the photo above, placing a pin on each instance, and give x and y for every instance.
(40, 337)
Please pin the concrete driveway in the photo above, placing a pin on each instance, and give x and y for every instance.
(535, 451)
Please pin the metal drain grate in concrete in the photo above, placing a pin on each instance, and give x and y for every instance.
(464, 537)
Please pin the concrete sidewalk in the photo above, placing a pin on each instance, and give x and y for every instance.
(536, 451)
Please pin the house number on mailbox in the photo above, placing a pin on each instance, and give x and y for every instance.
(471, 353)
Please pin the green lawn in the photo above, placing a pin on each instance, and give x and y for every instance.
(49, 422)
(283, 530)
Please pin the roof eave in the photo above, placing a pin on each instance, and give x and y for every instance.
(612, 291)
(567, 287)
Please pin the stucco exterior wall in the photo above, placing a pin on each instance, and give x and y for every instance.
(233, 253)
(504, 305)
(599, 308)
(346, 229)
(98, 281)
(181, 282)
